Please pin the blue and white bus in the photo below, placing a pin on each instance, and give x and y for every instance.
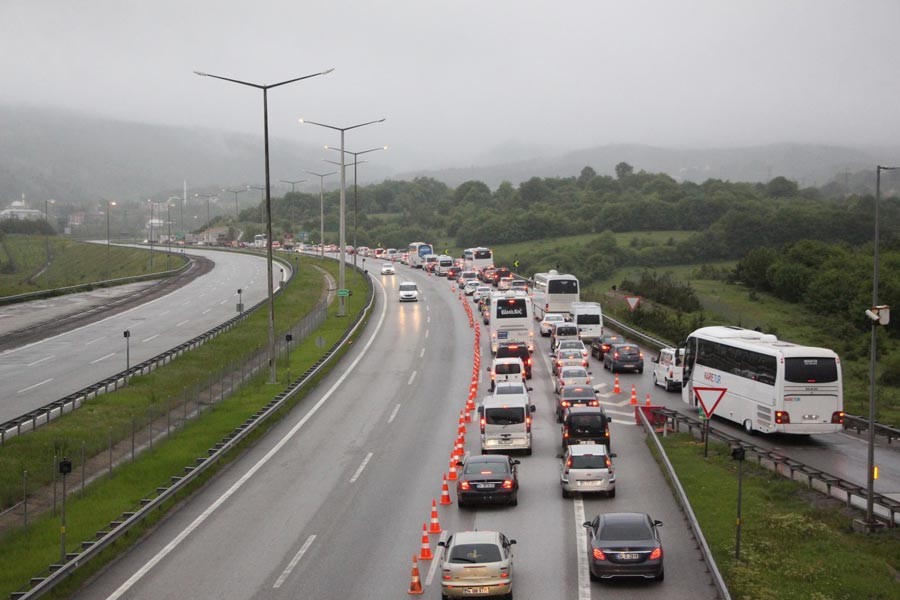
(771, 386)
(417, 253)
(554, 293)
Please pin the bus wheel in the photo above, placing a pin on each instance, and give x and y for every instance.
(748, 427)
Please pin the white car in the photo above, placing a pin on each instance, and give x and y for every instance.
(480, 292)
(573, 345)
(504, 283)
(409, 292)
(470, 287)
(571, 376)
(387, 269)
(549, 320)
(587, 468)
(476, 560)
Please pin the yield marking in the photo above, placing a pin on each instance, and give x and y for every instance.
(394, 413)
(37, 362)
(361, 467)
(294, 561)
(103, 358)
(31, 387)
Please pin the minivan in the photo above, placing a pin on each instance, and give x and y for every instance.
(585, 424)
(506, 369)
(667, 368)
(506, 423)
(516, 349)
(563, 331)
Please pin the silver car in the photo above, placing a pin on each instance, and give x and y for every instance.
(476, 563)
(571, 376)
(587, 468)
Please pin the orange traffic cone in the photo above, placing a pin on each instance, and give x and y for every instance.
(616, 388)
(435, 526)
(425, 552)
(445, 492)
(648, 400)
(633, 395)
(415, 586)
(451, 475)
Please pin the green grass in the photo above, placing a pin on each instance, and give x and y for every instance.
(72, 263)
(794, 544)
(29, 553)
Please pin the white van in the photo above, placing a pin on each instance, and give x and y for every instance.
(506, 369)
(506, 419)
(588, 316)
(444, 263)
(668, 368)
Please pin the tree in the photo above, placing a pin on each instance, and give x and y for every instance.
(584, 179)
(781, 187)
(623, 170)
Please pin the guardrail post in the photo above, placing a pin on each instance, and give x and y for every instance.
(109, 448)
(150, 425)
(132, 438)
(25, 497)
(82, 467)
(53, 470)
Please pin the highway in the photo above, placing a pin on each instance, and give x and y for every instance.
(35, 374)
(331, 503)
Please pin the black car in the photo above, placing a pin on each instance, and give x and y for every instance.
(585, 424)
(499, 274)
(624, 545)
(487, 479)
(602, 344)
(624, 357)
(513, 349)
(574, 395)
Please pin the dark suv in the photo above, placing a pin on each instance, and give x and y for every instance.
(585, 424)
(621, 357)
(512, 350)
(602, 344)
(500, 274)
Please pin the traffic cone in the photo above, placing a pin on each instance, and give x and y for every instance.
(435, 526)
(451, 474)
(633, 395)
(616, 388)
(445, 492)
(415, 585)
(467, 413)
(425, 552)
(648, 400)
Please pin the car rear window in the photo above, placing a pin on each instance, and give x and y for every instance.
(810, 370)
(578, 392)
(630, 530)
(569, 373)
(475, 553)
(588, 461)
(628, 350)
(491, 467)
(508, 368)
(570, 354)
(586, 423)
(567, 330)
(504, 415)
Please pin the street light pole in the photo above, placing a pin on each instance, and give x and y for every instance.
(290, 210)
(151, 232)
(262, 199)
(321, 177)
(47, 204)
(342, 307)
(236, 211)
(108, 205)
(271, 294)
(208, 221)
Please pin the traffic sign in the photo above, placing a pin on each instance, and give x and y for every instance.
(633, 301)
(710, 392)
(343, 292)
(516, 264)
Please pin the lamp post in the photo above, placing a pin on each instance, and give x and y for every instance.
(356, 162)
(168, 236)
(321, 177)
(47, 204)
(208, 222)
(265, 89)
(108, 206)
(290, 210)
(870, 462)
(150, 227)
(262, 199)
(342, 307)
(236, 211)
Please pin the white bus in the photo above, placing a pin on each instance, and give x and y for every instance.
(417, 252)
(772, 386)
(259, 241)
(588, 316)
(554, 293)
(511, 320)
(476, 259)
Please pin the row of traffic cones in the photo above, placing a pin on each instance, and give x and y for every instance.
(634, 399)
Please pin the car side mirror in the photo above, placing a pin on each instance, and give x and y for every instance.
(532, 407)
(488, 369)
(559, 456)
(459, 463)
(530, 389)
(586, 524)
(658, 523)
(613, 455)
(654, 359)
(511, 542)
(442, 544)
(590, 372)
(515, 462)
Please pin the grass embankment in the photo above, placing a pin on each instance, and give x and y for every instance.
(72, 263)
(26, 554)
(790, 547)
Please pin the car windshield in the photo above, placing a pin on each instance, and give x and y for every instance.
(486, 468)
(588, 461)
(553, 318)
(504, 416)
(475, 553)
(637, 529)
(407, 287)
(508, 368)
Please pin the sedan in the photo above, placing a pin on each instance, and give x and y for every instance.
(624, 545)
(587, 468)
(572, 345)
(387, 269)
(571, 376)
(624, 357)
(572, 358)
(602, 344)
(548, 321)
(470, 287)
(574, 395)
(477, 563)
(481, 291)
(487, 479)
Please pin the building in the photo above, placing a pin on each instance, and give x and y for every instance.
(18, 212)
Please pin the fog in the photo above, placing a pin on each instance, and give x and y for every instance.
(467, 81)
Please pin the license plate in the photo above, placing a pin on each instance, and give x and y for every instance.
(474, 591)
(506, 441)
(484, 486)
(589, 483)
(628, 556)
(502, 335)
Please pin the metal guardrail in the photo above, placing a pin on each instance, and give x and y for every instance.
(681, 496)
(44, 414)
(118, 528)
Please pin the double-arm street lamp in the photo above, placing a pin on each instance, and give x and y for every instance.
(342, 307)
(236, 192)
(293, 183)
(262, 198)
(321, 177)
(208, 221)
(271, 294)
(356, 161)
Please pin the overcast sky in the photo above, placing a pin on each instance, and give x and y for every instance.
(459, 79)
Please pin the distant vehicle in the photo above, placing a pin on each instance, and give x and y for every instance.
(444, 264)
(624, 357)
(588, 317)
(504, 283)
(549, 320)
(465, 277)
(487, 275)
(387, 269)
(477, 563)
(511, 321)
(566, 344)
(506, 369)
(585, 425)
(571, 376)
(259, 241)
(624, 545)
(487, 479)
(470, 287)
(600, 346)
(500, 273)
(417, 252)
(554, 292)
(506, 421)
(773, 386)
(476, 259)
(667, 370)
(567, 358)
(480, 291)
(574, 395)
(453, 273)
(561, 332)
(587, 468)
(408, 292)
(515, 349)
(518, 284)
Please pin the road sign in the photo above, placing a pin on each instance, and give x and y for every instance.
(633, 302)
(516, 264)
(713, 397)
(343, 292)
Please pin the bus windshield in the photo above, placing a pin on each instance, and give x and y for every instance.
(512, 308)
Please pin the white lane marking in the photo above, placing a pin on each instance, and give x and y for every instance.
(435, 562)
(294, 561)
(151, 337)
(584, 574)
(428, 319)
(426, 334)
(422, 353)
(186, 302)
(31, 387)
(252, 471)
(37, 362)
(411, 377)
(207, 310)
(224, 301)
(394, 413)
(163, 313)
(93, 362)
(94, 341)
(361, 467)
(182, 323)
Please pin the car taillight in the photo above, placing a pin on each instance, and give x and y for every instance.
(782, 417)
(464, 485)
(598, 554)
(656, 554)
(507, 484)
(528, 361)
(569, 463)
(562, 382)
(640, 355)
(482, 425)
(594, 403)
(565, 432)
(837, 417)
(606, 433)
(564, 403)
(445, 574)
(616, 355)
(528, 424)
(559, 363)
(608, 462)
(584, 363)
